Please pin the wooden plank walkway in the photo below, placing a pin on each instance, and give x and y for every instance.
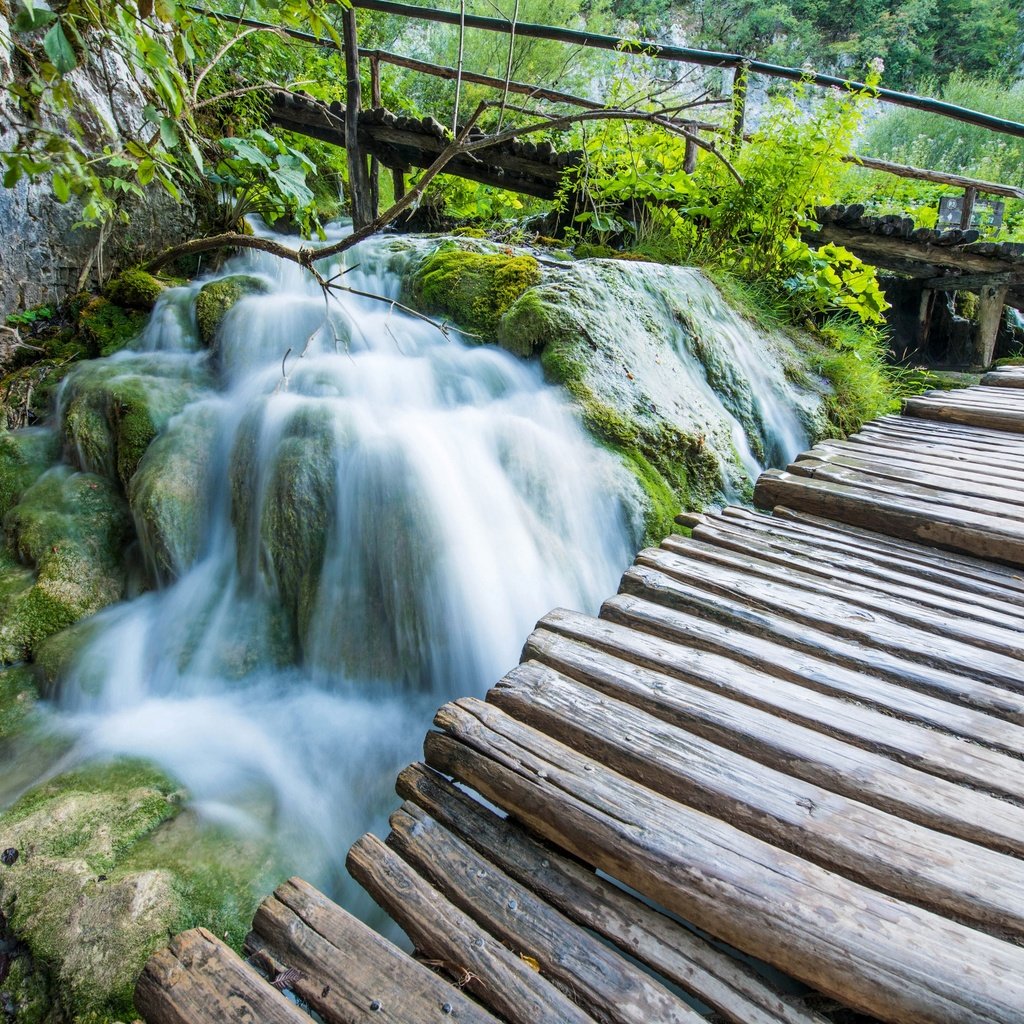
(801, 733)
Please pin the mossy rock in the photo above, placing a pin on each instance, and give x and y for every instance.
(27, 394)
(18, 695)
(474, 289)
(134, 289)
(72, 528)
(108, 327)
(169, 492)
(285, 546)
(113, 411)
(216, 299)
(24, 455)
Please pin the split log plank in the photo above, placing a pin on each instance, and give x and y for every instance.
(609, 987)
(677, 596)
(788, 745)
(346, 969)
(739, 558)
(198, 978)
(998, 378)
(877, 628)
(440, 931)
(965, 569)
(956, 529)
(959, 413)
(725, 983)
(878, 849)
(872, 952)
(766, 539)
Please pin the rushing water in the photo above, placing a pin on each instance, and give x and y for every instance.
(379, 514)
(387, 512)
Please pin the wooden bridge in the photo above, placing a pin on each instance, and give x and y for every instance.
(794, 735)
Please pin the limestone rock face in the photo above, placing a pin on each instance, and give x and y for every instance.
(44, 257)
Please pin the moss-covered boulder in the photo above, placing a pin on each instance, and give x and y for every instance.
(134, 289)
(27, 394)
(72, 529)
(169, 494)
(112, 410)
(475, 289)
(108, 866)
(216, 298)
(109, 327)
(24, 455)
(18, 694)
(283, 512)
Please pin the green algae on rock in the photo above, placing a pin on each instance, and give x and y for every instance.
(112, 411)
(108, 327)
(475, 289)
(135, 289)
(24, 455)
(169, 492)
(216, 298)
(71, 527)
(108, 866)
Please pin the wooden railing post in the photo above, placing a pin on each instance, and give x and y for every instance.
(358, 186)
(690, 159)
(739, 106)
(967, 212)
(375, 99)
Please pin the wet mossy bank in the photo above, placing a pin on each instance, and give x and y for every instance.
(692, 395)
(105, 860)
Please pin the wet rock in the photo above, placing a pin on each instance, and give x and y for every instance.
(216, 298)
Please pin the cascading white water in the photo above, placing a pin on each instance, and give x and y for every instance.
(384, 513)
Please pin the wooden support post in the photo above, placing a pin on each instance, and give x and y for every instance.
(739, 106)
(970, 195)
(690, 160)
(991, 299)
(398, 178)
(375, 99)
(358, 186)
(924, 319)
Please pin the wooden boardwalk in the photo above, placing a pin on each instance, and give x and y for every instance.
(801, 733)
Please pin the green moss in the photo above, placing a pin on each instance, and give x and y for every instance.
(108, 328)
(474, 289)
(216, 298)
(1010, 361)
(17, 698)
(113, 411)
(24, 454)
(72, 528)
(135, 289)
(593, 250)
(27, 395)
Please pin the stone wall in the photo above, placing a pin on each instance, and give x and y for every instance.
(42, 254)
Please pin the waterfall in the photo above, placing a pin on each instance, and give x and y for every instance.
(367, 516)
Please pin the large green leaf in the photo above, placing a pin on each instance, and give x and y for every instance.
(59, 49)
(28, 19)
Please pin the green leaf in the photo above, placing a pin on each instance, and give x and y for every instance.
(145, 172)
(29, 20)
(11, 176)
(197, 154)
(59, 50)
(168, 133)
(61, 187)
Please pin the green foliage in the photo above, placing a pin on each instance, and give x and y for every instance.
(747, 223)
(28, 317)
(916, 39)
(175, 55)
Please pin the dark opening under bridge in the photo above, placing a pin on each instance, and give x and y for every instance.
(801, 732)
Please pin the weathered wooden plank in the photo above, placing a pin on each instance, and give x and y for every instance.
(500, 979)
(763, 534)
(954, 433)
(198, 978)
(809, 668)
(985, 577)
(658, 590)
(878, 849)
(949, 477)
(951, 499)
(956, 529)
(999, 378)
(873, 952)
(958, 412)
(726, 984)
(346, 969)
(876, 628)
(948, 622)
(675, 694)
(609, 987)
